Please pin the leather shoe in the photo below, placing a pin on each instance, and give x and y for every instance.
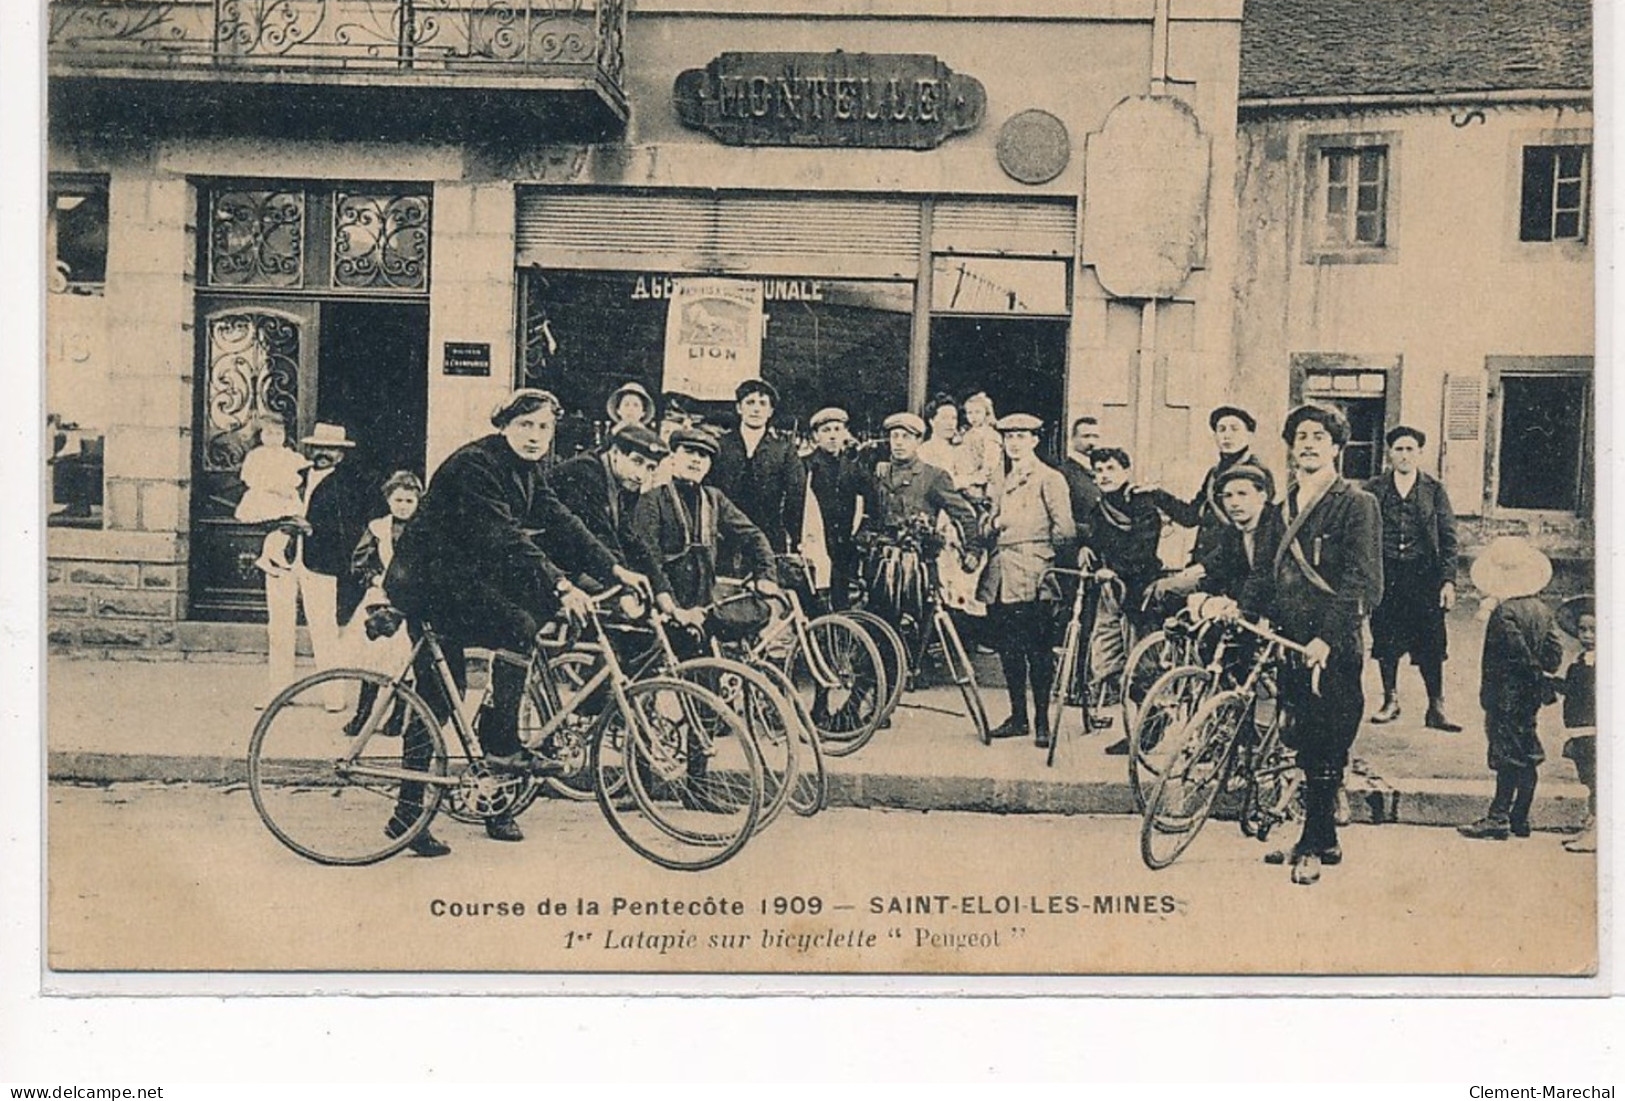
(1436, 720)
(1486, 829)
(1306, 870)
(524, 762)
(1010, 728)
(1118, 748)
(503, 828)
(1521, 829)
(1331, 857)
(424, 844)
(1041, 739)
(1388, 712)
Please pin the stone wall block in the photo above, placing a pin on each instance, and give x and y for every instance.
(147, 452)
(62, 634)
(163, 506)
(69, 603)
(160, 577)
(123, 575)
(135, 605)
(114, 634)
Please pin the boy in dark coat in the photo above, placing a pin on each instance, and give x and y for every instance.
(1233, 430)
(757, 469)
(1578, 619)
(1521, 648)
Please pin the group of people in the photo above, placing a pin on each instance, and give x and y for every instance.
(506, 536)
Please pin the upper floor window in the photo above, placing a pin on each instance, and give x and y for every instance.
(76, 233)
(1355, 188)
(1556, 193)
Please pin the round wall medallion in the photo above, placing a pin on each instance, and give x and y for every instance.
(1034, 147)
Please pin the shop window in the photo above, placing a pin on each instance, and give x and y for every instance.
(75, 468)
(1542, 459)
(1556, 193)
(76, 233)
(583, 333)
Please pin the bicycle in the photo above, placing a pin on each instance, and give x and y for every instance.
(1173, 697)
(1159, 651)
(1070, 685)
(684, 798)
(1224, 747)
(902, 575)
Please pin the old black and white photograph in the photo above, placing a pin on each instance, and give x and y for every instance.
(1021, 488)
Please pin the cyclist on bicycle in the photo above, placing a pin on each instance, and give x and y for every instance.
(485, 560)
(602, 488)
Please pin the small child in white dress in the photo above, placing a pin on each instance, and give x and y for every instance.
(272, 472)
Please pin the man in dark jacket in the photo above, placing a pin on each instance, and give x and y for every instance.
(685, 528)
(1240, 565)
(1327, 577)
(838, 481)
(1079, 469)
(1233, 430)
(758, 469)
(602, 488)
(488, 557)
(1418, 573)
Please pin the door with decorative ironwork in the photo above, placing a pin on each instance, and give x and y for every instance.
(258, 368)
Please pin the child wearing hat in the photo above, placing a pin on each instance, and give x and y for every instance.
(1521, 648)
(1577, 617)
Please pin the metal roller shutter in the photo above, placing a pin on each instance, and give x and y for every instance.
(831, 237)
(1003, 227)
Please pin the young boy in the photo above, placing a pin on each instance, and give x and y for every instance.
(1578, 617)
(1521, 648)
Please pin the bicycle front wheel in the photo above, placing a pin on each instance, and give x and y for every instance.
(809, 791)
(346, 766)
(893, 654)
(571, 743)
(1183, 799)
(768, 718)
(693, 798)
(1150, 658)
(847, 712)
(964, 675)
(1061, 687)
(1158, 732)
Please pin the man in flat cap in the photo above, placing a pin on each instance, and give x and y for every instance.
(1327, 576)
(1032, 526)
(602, 488)
(1419, 576)
(1233, 430)
(837, 481)
(491, 553)
(758, 469)
(1243, 558)
(686, 527)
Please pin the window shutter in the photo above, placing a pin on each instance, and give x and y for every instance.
(747, 235)
(1003, 227)
(1461, 446)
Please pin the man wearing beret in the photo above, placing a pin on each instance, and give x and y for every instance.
(757, 468)
(1233, 430)
(490, 554)
(602, 487)
(837, 481)
(1419, 576)
(1327, 575)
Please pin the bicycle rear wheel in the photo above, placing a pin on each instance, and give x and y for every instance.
(1183, 798)
(327, 775)
(1275, 788)
(692, 798)
(768, 717)
(893, 654)
(847, 714)
(809, 793)
(1166, 711)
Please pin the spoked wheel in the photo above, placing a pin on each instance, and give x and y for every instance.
(960, 668)
(1165, 712)
(1150, 658)
(769, 720)
(571, 743)
(893, 654)
(328, 775)
(1275, 788)
(1197, 771)
(846, 715)
(809, 793)
(694, 798)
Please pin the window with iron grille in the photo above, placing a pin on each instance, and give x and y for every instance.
(1556, 193)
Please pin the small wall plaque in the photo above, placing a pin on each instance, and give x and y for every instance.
(464, 358)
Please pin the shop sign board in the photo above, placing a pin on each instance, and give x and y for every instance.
(467, 359)
(713, 337)
(830, 100)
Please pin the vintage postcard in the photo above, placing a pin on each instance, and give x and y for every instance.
(1027, 489)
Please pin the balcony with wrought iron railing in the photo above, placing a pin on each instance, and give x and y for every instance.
(525, 47)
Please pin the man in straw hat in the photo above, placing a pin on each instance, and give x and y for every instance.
(1418, 573)
(1521, 648)
(1327, 576)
